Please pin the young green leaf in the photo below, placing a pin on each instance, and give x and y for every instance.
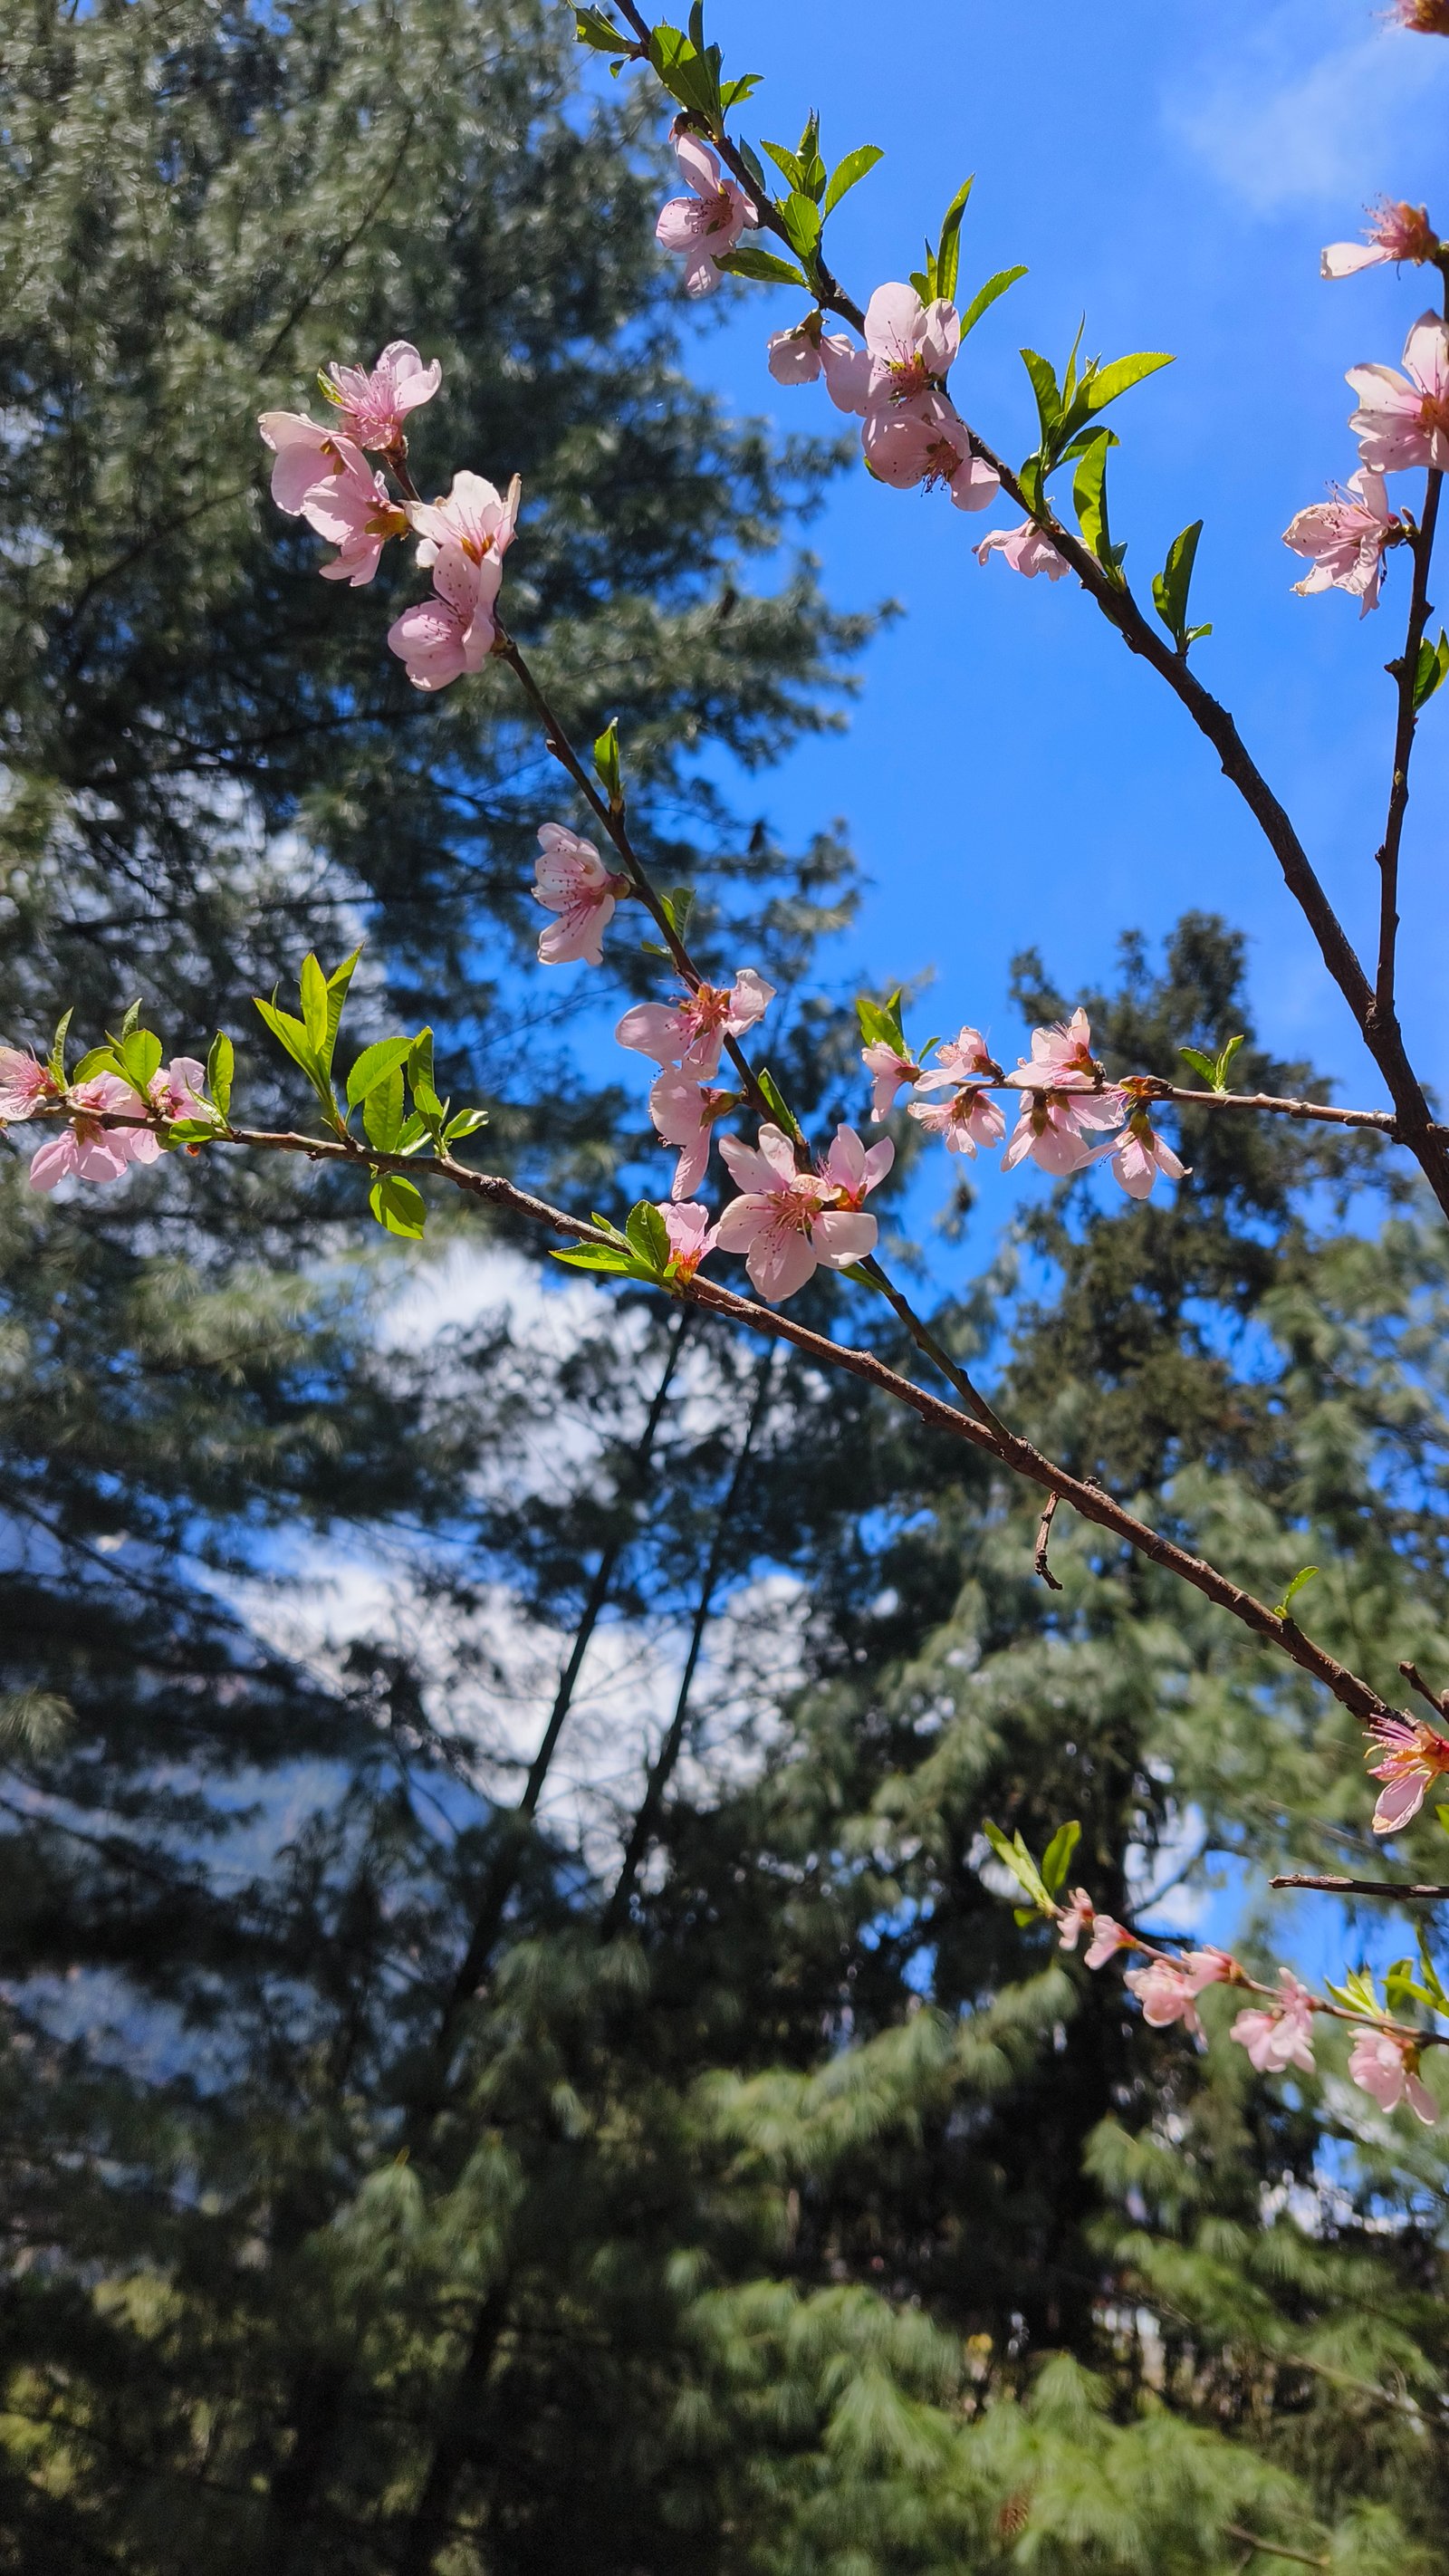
(101, 1059)
(1433, 664)
(1171, 586)
(374, 1065)
(947, 260)
(685, 72)
(1441, 1818)
(863, 1278)
(132, 1016)
(1304, 1575)
(602, 1256)
(985, 296)
(800, 216)
(753, 163)
(1056, 1860)
(398, 1206)
(220, 1068)
(313, 986)
(1089, 496)
(648, 1237)
(731, 93)
(779, 1106)
(1048, 399)
(55, 1062)
(762, 265)
(788, 163)
(606, 762)
(1357, 1992)
(382, 1110)
(591, 27)
(467, 1123)
(190, 1131)
(848, 173)
(1105, 385)
(292, 1035)
(337, 983)
(1015, 1857)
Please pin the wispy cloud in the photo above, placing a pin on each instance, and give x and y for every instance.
(1283, 117)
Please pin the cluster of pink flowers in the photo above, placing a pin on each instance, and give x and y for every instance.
(1277, 2034)
(321, 475)
(911, 431)
(1401, 421)
(84, 1147)
(1066, 1102)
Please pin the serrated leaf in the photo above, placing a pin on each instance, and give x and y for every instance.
(132, 1016)
(1056, 1860)
(140, 1056)
(220, 1069)
(602, 1256)
(55, 1062)
(382, 1110)
(684, 72)
(337, 983)
(1224, 1063)
(399, 1206)
(100, 1059)
(1200, 1063)
(374, 1065)
(847, 174)
(1044, 385)
(467, 1123)
(801, 218)
(1304, 1575)
(786, 162)
(1108, 384)
(292, 1035)
(1015, 1857)
(648, 1236)
(1171, 586)
(190, 1131)
(1433, 664)
(606, 761)
(591, 27)
(754, 165)
(313, 987)
(985, 296)
(783, 1114)
(1089, 497)
(947, 261)
(731, 93)
(1357, 1992)
(762, 265)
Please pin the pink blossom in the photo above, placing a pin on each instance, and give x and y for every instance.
(800, 355)
(706, 225)
(966, 1058)
(1209, 1967)
(1404, 420)
(891, 1072)
(305, 453)
(1345, 539)
(691, 1236)
(1026, 549)
(912, 345)
(853, 1169)
(373, 402)
(691, 1032)
(1388, 2068)
(683, 1115)
(1061, 1058)
(442, 637)
(1164, 1994)
(24, 1084)
(1107, 1939)
(1397, 232)
(968, 1119)
(571, 879)
(1076, 1918)
(925, 440)
(1412, 1755)
(1052, 1128)
(1282, 2035)
(475, 516)
(1139, 1154)
(179, 1092)
(353, 509)
(783, 1223)
(86, 1148)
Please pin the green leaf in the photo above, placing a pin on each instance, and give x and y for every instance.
(101, 1059)
(648, 1237)
(591, 27)
(467, 1123)
(949, 252)
(762, 265)
(132, 1016)
(676, 908)
(1433, 1989)
(602, 1256)
(337, 983)
(1304, 1575)
(848, 173)
(880, 1022)
(55, 1062)
(801, 218)
(731, 93)
(778, 1105)
(398, 1206)
(313, 985)
(140, 1055)
(1171, 586)
(420, 1063)
(1106, 384)
(604, 1226)
(220, 1068)
(606, 762)
(1227, 1053)
(190, 1131)
(1048, 399)
(788, 163)
(685, 72)
(374, 1065)
(1056, 1860)
(1357, 1992)
(1089, 497)
(1433, 665)
(1015, 1857)
(985, 296)
(753, 163)
(291, 1034)
(382, 1110)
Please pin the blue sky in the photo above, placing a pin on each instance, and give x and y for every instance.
(1010, 774)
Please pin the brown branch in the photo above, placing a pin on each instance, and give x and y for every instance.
(1404, 673)
(1438, 1700)
(1363, 1887)
(1273, 2548)
(1043, 1536)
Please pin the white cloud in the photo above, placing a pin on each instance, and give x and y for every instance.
(1283, 119)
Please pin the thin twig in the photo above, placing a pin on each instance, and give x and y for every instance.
(1043, 1536)
(1363, 1887)
(1273, 2548)
(1438, 1700)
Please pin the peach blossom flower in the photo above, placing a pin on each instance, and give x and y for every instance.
(1026, 549)
(968, 1119)
(798, 356)
(86, 1148)
(1076, 1918)
(571, 879)
(705, 225)
(1108, 1937)
(354, 510)
(1397, 232)
(912, 345)
(784, 1222)
(1388, 2068)
(925, 440)
(683, 1115)
(1139, 1154)
(1281, 2035)
(1345, 539)
(1412, 1756)
(306, 454)
(1404, 420)
(1164, 1993)
(1052, 1129)
(853, 1169)
(24, 1084)
(966, 1058)
(475, 516)
(691, 1236)
(691, 1032)
(440, 638)
(373, 402)
(1209, 1967)
(890, 1073)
